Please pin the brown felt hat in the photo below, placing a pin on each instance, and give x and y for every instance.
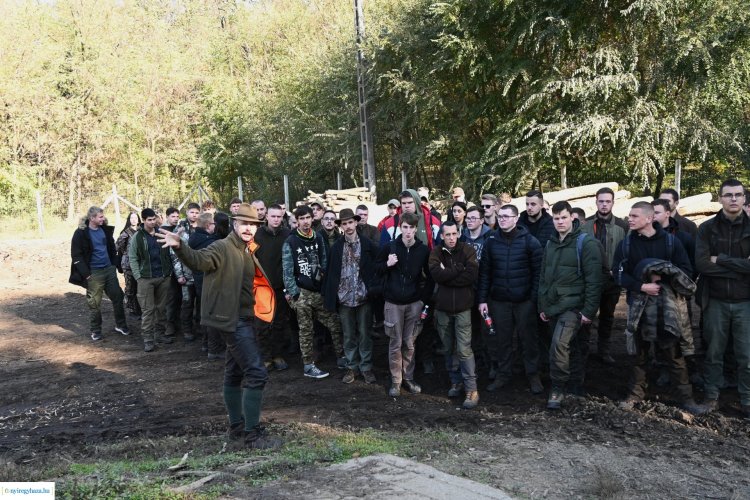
(247, 213)
(347, 214)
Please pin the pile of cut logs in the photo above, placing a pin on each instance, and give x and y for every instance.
(336, 199)
(698, 208)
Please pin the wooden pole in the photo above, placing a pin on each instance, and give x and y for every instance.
(286, 193)
(239, 187)
(116, 201)
(403, 180)
(338, 180)
(677, 176)
(39, 213)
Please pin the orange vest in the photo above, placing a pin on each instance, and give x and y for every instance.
(265, 296)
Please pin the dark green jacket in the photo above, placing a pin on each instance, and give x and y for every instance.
(140, 261)
(561, 287)
(614, 235)
(226, 263)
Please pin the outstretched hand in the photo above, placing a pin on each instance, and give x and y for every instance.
(168, 239)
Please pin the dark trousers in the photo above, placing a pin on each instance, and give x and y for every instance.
(607, 305)
(187, 308)
(172, 311)
(214, 341)
(355, 329)
(244, 363)
(565, 357)
(509, 318)
(273, 337)
(669, 353)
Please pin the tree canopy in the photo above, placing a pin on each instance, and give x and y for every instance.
(491, 95)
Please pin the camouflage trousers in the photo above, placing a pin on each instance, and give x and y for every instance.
(309, 307)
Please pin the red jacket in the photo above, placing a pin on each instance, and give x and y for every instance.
(390, 230)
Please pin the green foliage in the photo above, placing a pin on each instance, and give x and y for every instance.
(493, 96)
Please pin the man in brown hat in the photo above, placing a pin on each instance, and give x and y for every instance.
(350, 274)
(231, 267)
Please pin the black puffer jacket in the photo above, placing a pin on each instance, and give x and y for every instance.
(542, 230)
(509, 267)
(409, 280)
(455, 272)
(81, 250)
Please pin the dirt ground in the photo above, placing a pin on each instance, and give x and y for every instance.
(59, 392)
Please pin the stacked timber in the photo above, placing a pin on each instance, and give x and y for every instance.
(336, 199)
(698, 208)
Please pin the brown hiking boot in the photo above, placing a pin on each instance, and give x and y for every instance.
(471, 401)
(236, 431)
(349, 377)
(369, 376)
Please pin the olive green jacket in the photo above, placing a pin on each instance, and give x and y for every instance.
(561, 287)
(226, 264)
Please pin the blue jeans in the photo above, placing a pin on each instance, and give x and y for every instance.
(355, 327)
(721, 318)
(455, 334)
(244, 361)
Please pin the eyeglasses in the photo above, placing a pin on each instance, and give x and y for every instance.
(487, 206)
(506, 217)
(329, 218)
(733, 196)
(473, 219)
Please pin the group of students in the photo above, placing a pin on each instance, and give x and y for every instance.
(486, 276)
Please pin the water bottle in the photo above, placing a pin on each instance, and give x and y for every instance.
(488, 322)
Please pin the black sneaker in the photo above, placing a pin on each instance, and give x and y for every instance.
(123, 330)
(96, 336)
(258, 439)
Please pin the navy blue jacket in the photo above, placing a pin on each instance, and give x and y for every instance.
(509, 268)
(642, 247)
(198, 240)
(367, 256)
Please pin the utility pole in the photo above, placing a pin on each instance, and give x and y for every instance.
(368, 156)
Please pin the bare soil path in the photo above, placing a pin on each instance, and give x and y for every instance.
(61, 393)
